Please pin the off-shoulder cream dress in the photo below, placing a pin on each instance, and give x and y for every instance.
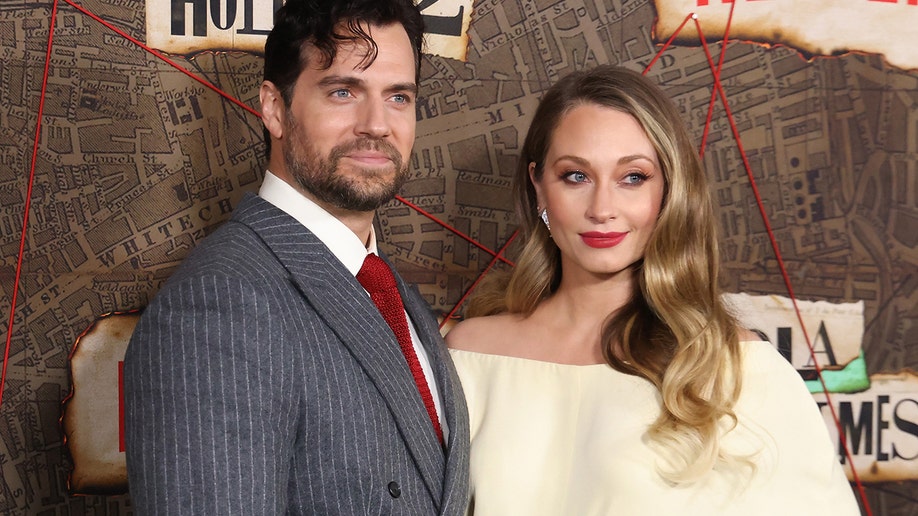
(558, 440)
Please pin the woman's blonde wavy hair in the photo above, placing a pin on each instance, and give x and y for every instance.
(675, 331)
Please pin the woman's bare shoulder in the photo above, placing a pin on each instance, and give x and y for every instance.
(488, 334)
(748, 335)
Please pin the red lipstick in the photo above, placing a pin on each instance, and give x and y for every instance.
(602, 240)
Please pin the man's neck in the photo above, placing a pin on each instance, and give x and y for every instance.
(359, 222)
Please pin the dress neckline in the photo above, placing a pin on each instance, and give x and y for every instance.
(535, 361)
(510, 358)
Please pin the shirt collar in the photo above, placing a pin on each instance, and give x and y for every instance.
(340, 240)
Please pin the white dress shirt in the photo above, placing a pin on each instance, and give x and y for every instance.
(346, 247)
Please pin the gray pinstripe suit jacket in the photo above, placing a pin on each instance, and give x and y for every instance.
(262, 380)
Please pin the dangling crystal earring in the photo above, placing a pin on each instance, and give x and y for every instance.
(544, 216)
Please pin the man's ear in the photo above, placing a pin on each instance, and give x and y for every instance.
(273, 109)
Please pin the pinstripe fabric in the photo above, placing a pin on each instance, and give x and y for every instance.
(262, 380)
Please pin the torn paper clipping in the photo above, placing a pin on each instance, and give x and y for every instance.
(93, 413)
(193, 26)
(813, 27)
(880, 426)
(835, 331)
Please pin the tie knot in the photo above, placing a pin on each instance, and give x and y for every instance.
(375, 275)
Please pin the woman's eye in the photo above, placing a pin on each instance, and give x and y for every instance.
(635, 178)
(575, 176)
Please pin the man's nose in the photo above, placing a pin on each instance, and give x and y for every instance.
(373, 119)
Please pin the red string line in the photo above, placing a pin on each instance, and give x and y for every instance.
(478, 280)
(164, 58)
(774, 244)
(717, 72)
(718, 89)
(469, 239)
(668, 43)
(28, 201)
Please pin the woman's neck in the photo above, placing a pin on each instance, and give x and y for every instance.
(573, 316)
(587, 297)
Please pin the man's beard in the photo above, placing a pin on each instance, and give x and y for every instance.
(366, 190)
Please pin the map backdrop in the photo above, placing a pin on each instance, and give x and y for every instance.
(137, 162)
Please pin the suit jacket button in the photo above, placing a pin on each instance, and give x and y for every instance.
(395, 490)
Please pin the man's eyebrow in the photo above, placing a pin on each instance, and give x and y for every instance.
(356, 82)
(340, 80)
(409, 87)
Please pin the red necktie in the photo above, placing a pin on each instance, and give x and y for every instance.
(376, 277)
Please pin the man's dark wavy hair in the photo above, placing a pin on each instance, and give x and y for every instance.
(326, 24)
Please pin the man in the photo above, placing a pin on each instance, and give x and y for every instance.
(263, 379)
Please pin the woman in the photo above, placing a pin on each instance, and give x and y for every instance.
(607, 376)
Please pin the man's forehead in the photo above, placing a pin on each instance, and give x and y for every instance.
(355, 55)
(360, 44)
(357, 50)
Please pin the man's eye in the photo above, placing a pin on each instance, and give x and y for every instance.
(401, 98)
(341, 94)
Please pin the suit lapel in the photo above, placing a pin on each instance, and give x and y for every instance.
(455, 482)
(343, 304)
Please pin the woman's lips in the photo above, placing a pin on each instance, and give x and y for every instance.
(602, 240)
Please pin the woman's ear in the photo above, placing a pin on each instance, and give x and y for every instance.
(273, 109)
(537, 185)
